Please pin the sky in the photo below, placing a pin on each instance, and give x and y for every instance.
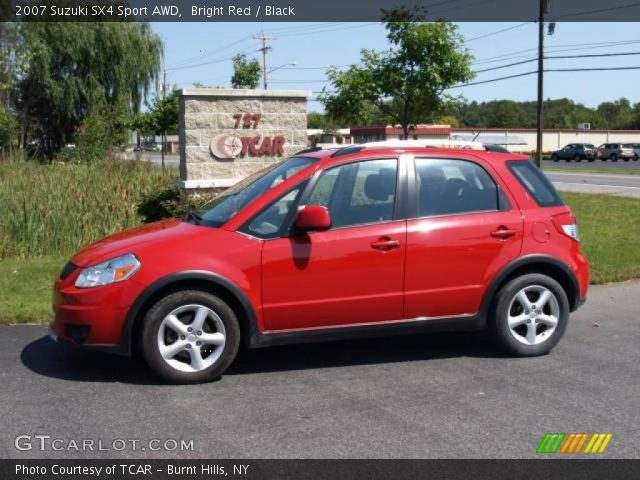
(201, 52)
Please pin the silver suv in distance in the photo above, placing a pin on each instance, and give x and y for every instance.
(614, 151)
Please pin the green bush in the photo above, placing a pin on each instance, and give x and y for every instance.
(160, 204)
(59, 208)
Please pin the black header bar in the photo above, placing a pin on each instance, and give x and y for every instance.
(314, 10)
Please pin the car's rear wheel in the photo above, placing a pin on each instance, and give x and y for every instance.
(613, 157)
(190, 336)
(530, 315)
(635, 157)
(578, 158)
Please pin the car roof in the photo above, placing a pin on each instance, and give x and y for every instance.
(354, 151)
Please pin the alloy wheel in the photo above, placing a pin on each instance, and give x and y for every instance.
(191, 338)
(534, 313)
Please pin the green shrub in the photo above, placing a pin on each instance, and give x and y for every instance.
(160, 204)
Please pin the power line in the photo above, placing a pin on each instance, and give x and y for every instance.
(211, 62)
(556, 57)
(556, 48)
(496, 32)
(586, 69)
(186, 61)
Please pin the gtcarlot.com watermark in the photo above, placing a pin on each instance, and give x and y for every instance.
(43, 443)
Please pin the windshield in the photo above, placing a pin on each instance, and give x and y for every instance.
(225, 206)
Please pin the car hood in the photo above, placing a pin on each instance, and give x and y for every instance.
(134, 241)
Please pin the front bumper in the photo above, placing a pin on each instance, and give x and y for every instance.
(91, 317)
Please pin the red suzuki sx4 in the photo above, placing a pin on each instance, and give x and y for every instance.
(359, 241)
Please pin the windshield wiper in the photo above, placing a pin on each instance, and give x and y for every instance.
(194, 217)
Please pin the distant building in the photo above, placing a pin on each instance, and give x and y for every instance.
(515, 139)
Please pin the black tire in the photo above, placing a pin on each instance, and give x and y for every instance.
(626, 159)
(499, 315)
(578, 158)
(555, 157)
(635, 157)
(152, 325)
(613, 157)
(591, 159)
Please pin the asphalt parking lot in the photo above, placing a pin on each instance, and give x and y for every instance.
(414, 397)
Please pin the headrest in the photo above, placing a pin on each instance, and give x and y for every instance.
(380, 185)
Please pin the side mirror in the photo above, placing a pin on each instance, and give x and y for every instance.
(313, 217)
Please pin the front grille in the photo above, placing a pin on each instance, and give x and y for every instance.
(68, 269)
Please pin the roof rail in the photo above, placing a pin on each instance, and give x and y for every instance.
(348, 150)
(426, 143)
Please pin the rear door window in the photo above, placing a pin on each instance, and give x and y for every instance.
(450, 187)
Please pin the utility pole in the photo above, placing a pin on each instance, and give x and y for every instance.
(544, 8)
(265, 56)
(163, 135)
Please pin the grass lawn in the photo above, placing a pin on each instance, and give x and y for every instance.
(608, 226)
(609, 231)
(25, 289)
(613, 171)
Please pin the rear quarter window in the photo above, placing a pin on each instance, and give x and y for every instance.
(536, 183)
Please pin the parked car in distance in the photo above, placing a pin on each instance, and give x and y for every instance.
(152, 147)
(635, 147)
(365, 240)
(138, 148)
(614, 151)
(575, 151)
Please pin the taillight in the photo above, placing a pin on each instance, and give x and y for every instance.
(567, 224)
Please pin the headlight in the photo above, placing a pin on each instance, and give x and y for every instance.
(111, 271)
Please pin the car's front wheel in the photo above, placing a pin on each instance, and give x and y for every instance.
(530, 315)
(190, 336)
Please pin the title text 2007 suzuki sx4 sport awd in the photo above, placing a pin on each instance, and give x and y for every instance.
(364, 240)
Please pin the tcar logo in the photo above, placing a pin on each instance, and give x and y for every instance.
(231, 146)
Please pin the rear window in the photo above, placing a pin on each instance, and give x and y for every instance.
(536, 183)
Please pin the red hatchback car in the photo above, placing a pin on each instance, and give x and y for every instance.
(360, 241)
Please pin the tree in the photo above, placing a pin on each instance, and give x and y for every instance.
(161, 119)
(246, 72)
(12, 60)
(76, 66)
(407, 82)
(8, 127)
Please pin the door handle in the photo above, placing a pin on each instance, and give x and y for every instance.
(503, 233)
(385, 243)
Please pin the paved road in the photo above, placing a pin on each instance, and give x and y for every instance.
(420, 396)
(611, 184)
